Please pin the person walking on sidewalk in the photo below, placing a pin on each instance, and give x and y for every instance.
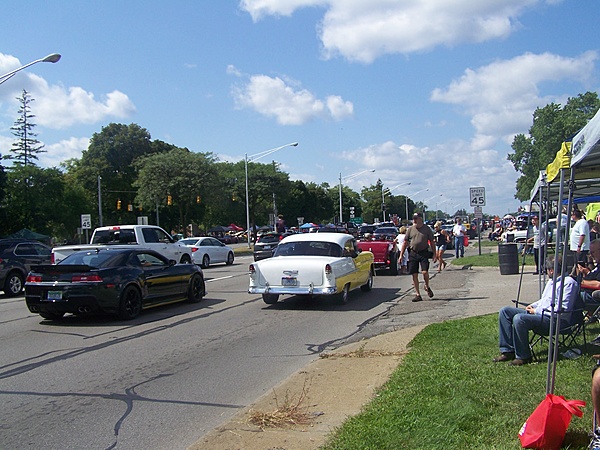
(421, 244)
(459, 231)
(441, 241)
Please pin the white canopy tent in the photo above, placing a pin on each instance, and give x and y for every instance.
(575, 171)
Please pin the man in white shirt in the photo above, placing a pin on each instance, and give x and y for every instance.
(514, 323)
(459, 231)
(579, 239)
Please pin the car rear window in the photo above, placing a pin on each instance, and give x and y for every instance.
(93, 259)
(309, 248)
(269, 238)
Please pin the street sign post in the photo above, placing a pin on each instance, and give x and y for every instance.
(86, 224)
(477, 196)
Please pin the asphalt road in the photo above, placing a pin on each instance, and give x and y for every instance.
(165, 379)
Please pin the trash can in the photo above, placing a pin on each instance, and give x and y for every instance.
(508, 257)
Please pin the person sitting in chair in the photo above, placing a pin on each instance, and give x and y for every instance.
(514, 324)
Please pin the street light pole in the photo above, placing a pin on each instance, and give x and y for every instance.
(389, 191)
(99, 200)
(54, 57)
(424, 215)
(252, 158)
(406, 199)
(348, 178)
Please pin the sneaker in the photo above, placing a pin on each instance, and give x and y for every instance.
(417, 298)
(595, 442)
(429, 291)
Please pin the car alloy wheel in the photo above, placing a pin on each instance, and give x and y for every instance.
(131, 303)
(196, 288)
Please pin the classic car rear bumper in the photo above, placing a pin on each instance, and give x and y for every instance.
(306, 290)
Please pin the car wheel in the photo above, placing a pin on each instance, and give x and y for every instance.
(130, 305)
(230, 259)
(185, 259)
(394, 264)
(205, 261)
(13, 285)
(343, 296)
(270, 299)
(196, 288)
(52, 315)
(369, 284)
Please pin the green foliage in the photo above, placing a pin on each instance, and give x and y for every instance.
(552, 125)
(179, 174)
(26, 148)
(447, 393)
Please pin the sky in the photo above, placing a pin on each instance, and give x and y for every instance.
(426, 92)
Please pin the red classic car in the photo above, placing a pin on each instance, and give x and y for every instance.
(384, 249)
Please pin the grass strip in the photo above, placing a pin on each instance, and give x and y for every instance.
(447, 393)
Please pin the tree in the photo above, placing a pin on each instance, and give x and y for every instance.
(111, 155)
(552, 125)
(177, 180)
(26, 148)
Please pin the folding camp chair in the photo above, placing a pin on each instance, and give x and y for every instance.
(572, 328)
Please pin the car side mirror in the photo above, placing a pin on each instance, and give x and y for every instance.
(172, 262)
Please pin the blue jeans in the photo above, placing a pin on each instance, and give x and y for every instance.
(514, 325)
(459, 245)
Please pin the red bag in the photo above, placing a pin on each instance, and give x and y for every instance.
(547, 425)
(466, 240)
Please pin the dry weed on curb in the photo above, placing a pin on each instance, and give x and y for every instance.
(292, 412)
(362, 353)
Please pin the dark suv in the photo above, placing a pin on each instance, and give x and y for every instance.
(16, 258)
(265, 245)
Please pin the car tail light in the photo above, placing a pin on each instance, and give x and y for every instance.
(280, 237)
(52, 258)
(34, 279)
(194, 249)
(251, 268)
(328, 269)
(86, 279)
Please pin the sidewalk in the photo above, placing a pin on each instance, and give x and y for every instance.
(336, 387)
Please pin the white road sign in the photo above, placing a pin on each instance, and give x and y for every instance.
(477, 196)
(86, 221)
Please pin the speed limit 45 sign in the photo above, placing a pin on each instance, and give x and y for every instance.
(477, 196)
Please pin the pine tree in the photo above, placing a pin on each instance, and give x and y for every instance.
(26, 148)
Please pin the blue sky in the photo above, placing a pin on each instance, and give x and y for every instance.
(429, 92)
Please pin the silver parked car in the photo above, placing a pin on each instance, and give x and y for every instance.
(208, 250)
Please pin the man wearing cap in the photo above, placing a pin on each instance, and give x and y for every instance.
(421, 244)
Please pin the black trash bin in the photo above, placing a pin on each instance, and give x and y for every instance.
(508, 257)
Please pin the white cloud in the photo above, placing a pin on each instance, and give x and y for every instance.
(287, 102)
(501, 96)
(63, 150)
(363, 31)
(261, 8)
(58, 107)
(400, 163)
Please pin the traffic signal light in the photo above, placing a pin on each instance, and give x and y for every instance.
(198, 199)
(119, 204)
(169, 200)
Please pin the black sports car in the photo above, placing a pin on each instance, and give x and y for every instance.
(114, 281)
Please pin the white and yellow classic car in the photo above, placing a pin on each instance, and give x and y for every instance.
(313, 264)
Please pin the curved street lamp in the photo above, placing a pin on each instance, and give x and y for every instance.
(349, 177)
(389, 191)
(253, 158)
(52, 58)
(406, 199)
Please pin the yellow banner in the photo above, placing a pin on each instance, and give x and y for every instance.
(561, 161)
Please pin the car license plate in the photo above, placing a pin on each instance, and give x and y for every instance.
(267, 247)
(288, 281)
(54, 295)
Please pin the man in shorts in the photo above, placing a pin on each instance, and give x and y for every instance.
(421, 244)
